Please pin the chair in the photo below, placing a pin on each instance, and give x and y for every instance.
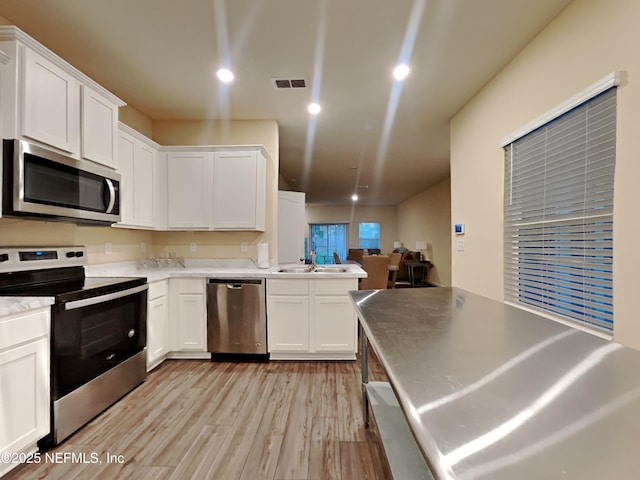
(336, 258)
(394, 266)
(377, 268)
(355, 254)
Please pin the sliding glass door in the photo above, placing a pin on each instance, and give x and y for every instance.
(327, 238)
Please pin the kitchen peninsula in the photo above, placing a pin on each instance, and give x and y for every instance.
(490, 391)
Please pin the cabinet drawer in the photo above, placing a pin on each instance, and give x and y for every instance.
(157, 289)
(23, 327)
(288, 287)
(334, 287)
(190, 285)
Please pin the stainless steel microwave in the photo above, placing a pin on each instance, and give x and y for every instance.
(40, 183)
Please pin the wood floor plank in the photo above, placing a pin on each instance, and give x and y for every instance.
(326, 404)
(202, 453)
(266, 446)
(349, 407)
(293, 460)
(356, 462)
(228, 420)
(324, 455)
(233, 454)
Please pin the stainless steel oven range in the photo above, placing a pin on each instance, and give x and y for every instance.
(98, 330)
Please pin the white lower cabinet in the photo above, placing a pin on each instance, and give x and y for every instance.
(311, 319)
(24, 382)
(334, 324)
(187, 317)
(288, 322)
(157, 324)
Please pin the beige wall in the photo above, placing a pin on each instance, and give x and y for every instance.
(136, 120)
(589, 40)
(427, 217)
(235, 132)
(385, 215)
(125, 244)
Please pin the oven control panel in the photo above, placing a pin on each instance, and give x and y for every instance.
(13, 259)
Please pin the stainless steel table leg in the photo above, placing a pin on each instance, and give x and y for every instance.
(364, 368)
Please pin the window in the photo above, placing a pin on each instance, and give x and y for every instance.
(369, 235)
(327, 238)
(558, 214)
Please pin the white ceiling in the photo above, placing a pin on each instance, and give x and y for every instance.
(160, 56)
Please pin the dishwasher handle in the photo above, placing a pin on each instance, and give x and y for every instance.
(236, 283)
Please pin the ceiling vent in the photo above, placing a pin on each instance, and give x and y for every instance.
(280, 83)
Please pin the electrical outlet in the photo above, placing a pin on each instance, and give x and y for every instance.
(460, 245)
(243, 246)
(143, 247)
(193, 247)
(108, 248)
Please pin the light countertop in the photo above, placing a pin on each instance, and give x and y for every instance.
(194, 269)
(12, 305)
(218, 269)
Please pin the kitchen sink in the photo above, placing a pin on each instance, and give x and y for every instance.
(309, 269)
(301, 269)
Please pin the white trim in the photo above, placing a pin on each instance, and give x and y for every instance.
(136, 134)
(215, 148)
(578, 326)
(612, 80)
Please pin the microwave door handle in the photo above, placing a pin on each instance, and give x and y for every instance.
(112, 195)
(104, 298)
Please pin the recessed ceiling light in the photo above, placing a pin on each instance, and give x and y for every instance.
(401, 72)
(225, 75)
(314, 108)
(354, 197)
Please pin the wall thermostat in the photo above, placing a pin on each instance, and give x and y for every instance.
(458, 228)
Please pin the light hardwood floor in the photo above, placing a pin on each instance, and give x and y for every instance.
(204, 420)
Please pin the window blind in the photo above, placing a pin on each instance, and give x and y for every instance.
(558, 214)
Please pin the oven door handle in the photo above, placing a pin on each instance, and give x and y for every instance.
(104, 298)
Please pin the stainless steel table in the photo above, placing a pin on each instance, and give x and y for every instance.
(489, 391)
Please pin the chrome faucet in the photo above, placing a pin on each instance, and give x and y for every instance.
(312, 265)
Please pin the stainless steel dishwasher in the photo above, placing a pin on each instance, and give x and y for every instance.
(236, 316)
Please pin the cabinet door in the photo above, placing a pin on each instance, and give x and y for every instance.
(126, 152)
(237, 191)
(143, 174)
(190, 323)
(288, 323)
(157, 330)
(51, 108)
(24, 377)
(334, 324)
(189, 190)
(99, 128)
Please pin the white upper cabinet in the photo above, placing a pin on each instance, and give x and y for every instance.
(137, 166)
(49, 102)
(216, 188)
(189, 190)
(239, 184)
(99, 127)
(126, 152)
